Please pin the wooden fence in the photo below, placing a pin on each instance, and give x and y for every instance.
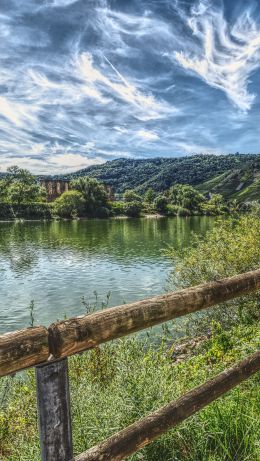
(48, 348)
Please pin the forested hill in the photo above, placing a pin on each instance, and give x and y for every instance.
(226, 174)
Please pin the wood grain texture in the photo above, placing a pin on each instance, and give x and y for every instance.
(77, 334)
(141, 433)
(32, 346)
(22, 349)
(54, 411)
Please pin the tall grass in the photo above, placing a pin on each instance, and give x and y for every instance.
(120, 382)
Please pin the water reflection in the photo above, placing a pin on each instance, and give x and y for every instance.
(56, 263)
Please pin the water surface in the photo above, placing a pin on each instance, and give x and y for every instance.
(55, 264)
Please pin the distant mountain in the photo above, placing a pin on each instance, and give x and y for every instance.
(234, 175)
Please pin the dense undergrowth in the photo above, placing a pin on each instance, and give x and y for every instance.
(118, 383)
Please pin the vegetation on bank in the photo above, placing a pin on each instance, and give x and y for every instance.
(21, 197)
(228, 175)
(119, 382)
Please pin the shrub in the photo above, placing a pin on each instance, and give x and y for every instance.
(160, 203)
(131, 196)
(117, 208)
(94, 194)
(133, 209)
(69, 205)
(102, 212)
(172, 210)
(25, 211)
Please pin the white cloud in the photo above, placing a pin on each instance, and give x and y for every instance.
(228, 53)
(147, 135)
(53, 164)
(191, 148)
(119, 85)
(70, 162)
(17, 113)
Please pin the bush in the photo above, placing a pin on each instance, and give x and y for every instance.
(69, 205)
(117, 208)
(25, 211)
(172, 210)
(133, 209)
(120, 382)
(131, 196)
(160, 203)
(102, 212)
(231, 247)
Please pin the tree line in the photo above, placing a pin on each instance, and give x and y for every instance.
(88, 197)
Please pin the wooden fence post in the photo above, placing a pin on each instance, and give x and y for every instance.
(54, 411)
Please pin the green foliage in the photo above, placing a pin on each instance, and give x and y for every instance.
(94, 194)
(231, 247)
(161, 203)
(186, 197)
(20, 186)
(162, 173)
(114, 385)
(133, 209)
(70, 204)
(30, 211)
(215, 205)
(131, 196)
(149, 196)
(117, 208)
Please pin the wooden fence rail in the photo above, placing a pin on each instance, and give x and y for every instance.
(141, 433)
(32, 346)
(48, 349)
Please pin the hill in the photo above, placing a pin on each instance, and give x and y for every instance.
(236, 176)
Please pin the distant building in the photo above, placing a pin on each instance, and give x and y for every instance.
(54, 187)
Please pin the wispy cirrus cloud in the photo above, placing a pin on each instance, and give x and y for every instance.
(227, 53)
(147, 135)
(84, 83)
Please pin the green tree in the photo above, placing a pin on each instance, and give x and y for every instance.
(133, 209)
(70, 204)
(131, 196)
(186, 196)
(149, 196)
(20, 186)
(160, 203)
(94, 194)
(215, 205)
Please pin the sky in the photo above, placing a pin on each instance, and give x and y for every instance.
(86, 81)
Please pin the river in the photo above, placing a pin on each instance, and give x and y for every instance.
(55, 264)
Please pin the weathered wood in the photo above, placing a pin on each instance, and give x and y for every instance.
(54, 411)
(80, 333)
(29, 347)
(141, 433)
(22, 349)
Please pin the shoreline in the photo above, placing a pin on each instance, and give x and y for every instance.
(122, 217)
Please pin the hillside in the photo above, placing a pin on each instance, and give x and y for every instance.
(235, 176)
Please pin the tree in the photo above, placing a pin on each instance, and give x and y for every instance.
(20, 186)
(70, 204)
(131, 196)
(160, 203)
(133, 209)
(149, 195)
(186, 196)
(215, 205)
(93, 192)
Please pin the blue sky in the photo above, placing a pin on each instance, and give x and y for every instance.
(83, 82)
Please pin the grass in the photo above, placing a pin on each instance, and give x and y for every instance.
(116, 384)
